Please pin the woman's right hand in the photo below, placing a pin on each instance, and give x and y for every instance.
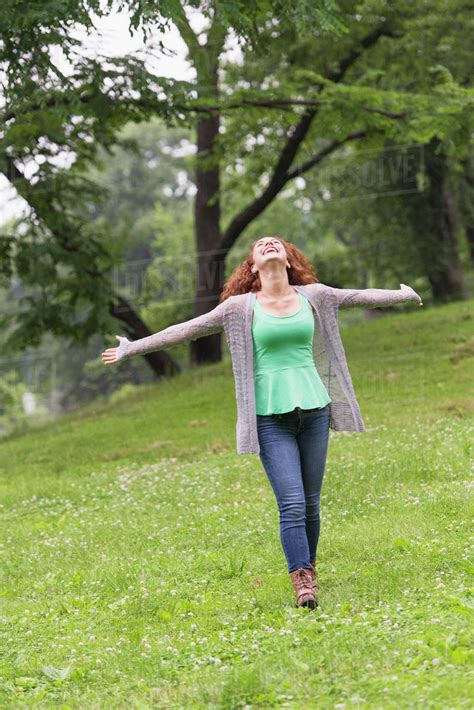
(115, 354)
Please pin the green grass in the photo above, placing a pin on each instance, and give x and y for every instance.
(142, 565)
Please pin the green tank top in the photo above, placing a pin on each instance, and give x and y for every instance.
(285, 375)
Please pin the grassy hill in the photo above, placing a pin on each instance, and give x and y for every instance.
(141, 560)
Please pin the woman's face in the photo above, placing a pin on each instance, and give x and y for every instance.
(268, 249)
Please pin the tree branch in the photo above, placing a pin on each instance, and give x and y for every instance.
(367, 42)
(330, 148)
(186, 31)
(277, 181)
(51, 102)
(288, 153)
(279, 103)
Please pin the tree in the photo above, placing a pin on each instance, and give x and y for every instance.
(64, 265)
(298, 100)
(308, 99)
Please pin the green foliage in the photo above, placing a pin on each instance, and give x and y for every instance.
(247, 20)
(378, 94)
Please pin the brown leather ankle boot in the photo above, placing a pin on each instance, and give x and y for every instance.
(303, 585)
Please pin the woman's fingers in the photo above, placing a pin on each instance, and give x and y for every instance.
(109, 355)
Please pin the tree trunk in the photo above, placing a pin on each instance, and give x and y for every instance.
(466, 194)
(210, 270)
(470, 242)
(437, 221)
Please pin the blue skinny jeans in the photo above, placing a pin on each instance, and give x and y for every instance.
(293, 449)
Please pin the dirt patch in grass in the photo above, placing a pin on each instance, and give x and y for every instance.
(459, 407)
(462, 351)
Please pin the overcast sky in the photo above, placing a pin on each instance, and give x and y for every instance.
(113, 39)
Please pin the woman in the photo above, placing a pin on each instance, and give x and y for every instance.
(292, 382)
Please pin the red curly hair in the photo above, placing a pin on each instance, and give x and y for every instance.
(243, 280)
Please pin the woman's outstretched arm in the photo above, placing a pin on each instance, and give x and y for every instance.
(373, 297)
(207, 324)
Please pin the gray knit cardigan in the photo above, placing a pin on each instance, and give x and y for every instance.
(234, 316)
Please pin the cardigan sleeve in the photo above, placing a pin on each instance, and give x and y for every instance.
(373, 297)
(206, 324)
